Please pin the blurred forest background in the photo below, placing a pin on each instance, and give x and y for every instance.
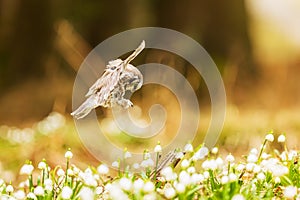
(255, 44)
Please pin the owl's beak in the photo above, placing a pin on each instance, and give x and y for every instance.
(135, 53)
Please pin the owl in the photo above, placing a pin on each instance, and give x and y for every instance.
(108, 91)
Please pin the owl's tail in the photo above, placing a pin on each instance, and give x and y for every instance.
(85, 108)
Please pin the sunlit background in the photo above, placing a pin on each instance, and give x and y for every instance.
(255, 44)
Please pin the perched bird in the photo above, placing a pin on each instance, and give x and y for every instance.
(109, 90)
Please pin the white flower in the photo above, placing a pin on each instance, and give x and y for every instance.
(191, 170)
(224, 179)
(215, 150)
(151, 196)
(277, 180)
(9, 189)
(184, 178)
(147, 155)
(261, 176)
(240, 167)
(70, 172)
(185, 163)
(86, 193)
(289, 192)
(254, 151)
(39, 191)
(127, 155)
(99, 190)
(138, 185)
(206, 174)
(26, 169)
(42, 165)
(158, 148)
(169, 193)
(115, 164)
(31, 195)
(196, 178)
(210, 164)
(66, 192)
(256, 169)
(179, 187)
(147, 163)
(270, 137)
(60, 172)
(136, 165)
(168, 173)
(220, 162)
(125, 184)
(188, 148)
(229, 158)
(238, 197)
(103, 169)
(20, 194)
(48, 184)
(252, 158)
(250, 167)
(68, 154)
(88, 178)
(281, 138)
(148, 187)
(200, 154)
(232, 177)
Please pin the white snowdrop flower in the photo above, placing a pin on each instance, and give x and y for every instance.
(254, 151)
(68, 154)
(70, 172)
(200, 154)
(281, 138)
(127, 155)
(88, 178)
(151, 196)
(42, 165)
(48, 184)
(277, 179)
(167, 171)
(149, 187)
(230, 158)
(252, 158)
(60, 172)
(9, 189)
(39, 191)
(232, 177)
(136, 165)
(256, 168)
(210, 164)
(290, 192)
(250, 167)
(147, 155)
(196, 178)
(220, 162)
(147, 163)
(238, 197)
(138, 184)
(261, 176)
(31, 195)
(115, 164)
(158, 148)
(240, 167)
(279, 170)
(99, 190)
(206, 174)
(185, 163)
(292, 154)
(75, 169)
(179, 155)
(264, 155)
(188, 148)
(125, 184)
(26, 169)
(179, 187)
(269, 137)
(283, 156)
(20, 195)
(86, 193)
(215, 150)
(169, 193)
(66, 192)
(184, 178)
(224, 179)
(103, 169)
(191, 170)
